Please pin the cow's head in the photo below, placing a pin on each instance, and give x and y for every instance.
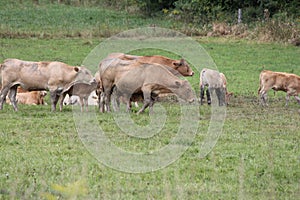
(83, 75)
(227, 97)
(183, 67)
(184, 91)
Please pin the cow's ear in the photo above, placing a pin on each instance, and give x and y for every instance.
(176, 64)
(182, 61)
(179, 63)
(76, 69)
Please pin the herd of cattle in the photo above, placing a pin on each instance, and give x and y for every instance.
(126, 78)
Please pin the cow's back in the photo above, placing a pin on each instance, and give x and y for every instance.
(147, 74)
(211, 78)
(179, 65)
(111, 70)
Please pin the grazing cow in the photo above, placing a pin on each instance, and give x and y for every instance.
(227, 94)
(117, 64)
(31, 98)
(82, 90)
(278, 81)
(111, 70)
(34, 76)
(152, 80)
(215, 81)
(179, 65)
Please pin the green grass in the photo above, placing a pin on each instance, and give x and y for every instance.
(256, 156)
(58, 20)
(43, 157)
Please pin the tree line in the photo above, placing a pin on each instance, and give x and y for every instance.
(201, 11)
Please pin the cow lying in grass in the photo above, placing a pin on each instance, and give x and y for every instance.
(30, 97)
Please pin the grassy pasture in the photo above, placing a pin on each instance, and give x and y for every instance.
(256, 156)
(42, 156)
(46, 20)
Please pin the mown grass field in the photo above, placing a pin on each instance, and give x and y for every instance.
(257, 155)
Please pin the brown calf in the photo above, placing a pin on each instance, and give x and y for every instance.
(278, 81)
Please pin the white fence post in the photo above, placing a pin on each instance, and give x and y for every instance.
(239, 15)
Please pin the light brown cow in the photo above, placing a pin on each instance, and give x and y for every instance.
(31, 98)
(278, 81)
(117, 64)
(34, 76)
(110, 71)
(82, 90)
(215, 81)
(228, 95)
(74, 100)
(152, 80)
(179, 65)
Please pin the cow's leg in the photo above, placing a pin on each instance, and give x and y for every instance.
(153, 100)
(3, 95)
(81, 104)
(208, 94)
(118, 104)
(62, 98)
(221, 96)
(218, 93)
(297, 98)
(289, 93)
(128, 103)
(128, 106)
(12, 97)
(119, 95)
(98, 93)
(126, 97)
(263, 94)
(287, 99)
(54, 99)
(202, 90)
(263, 98)
(107, 100)
(102, 102)
(86, 103)
(147, 100)
(115, 99)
